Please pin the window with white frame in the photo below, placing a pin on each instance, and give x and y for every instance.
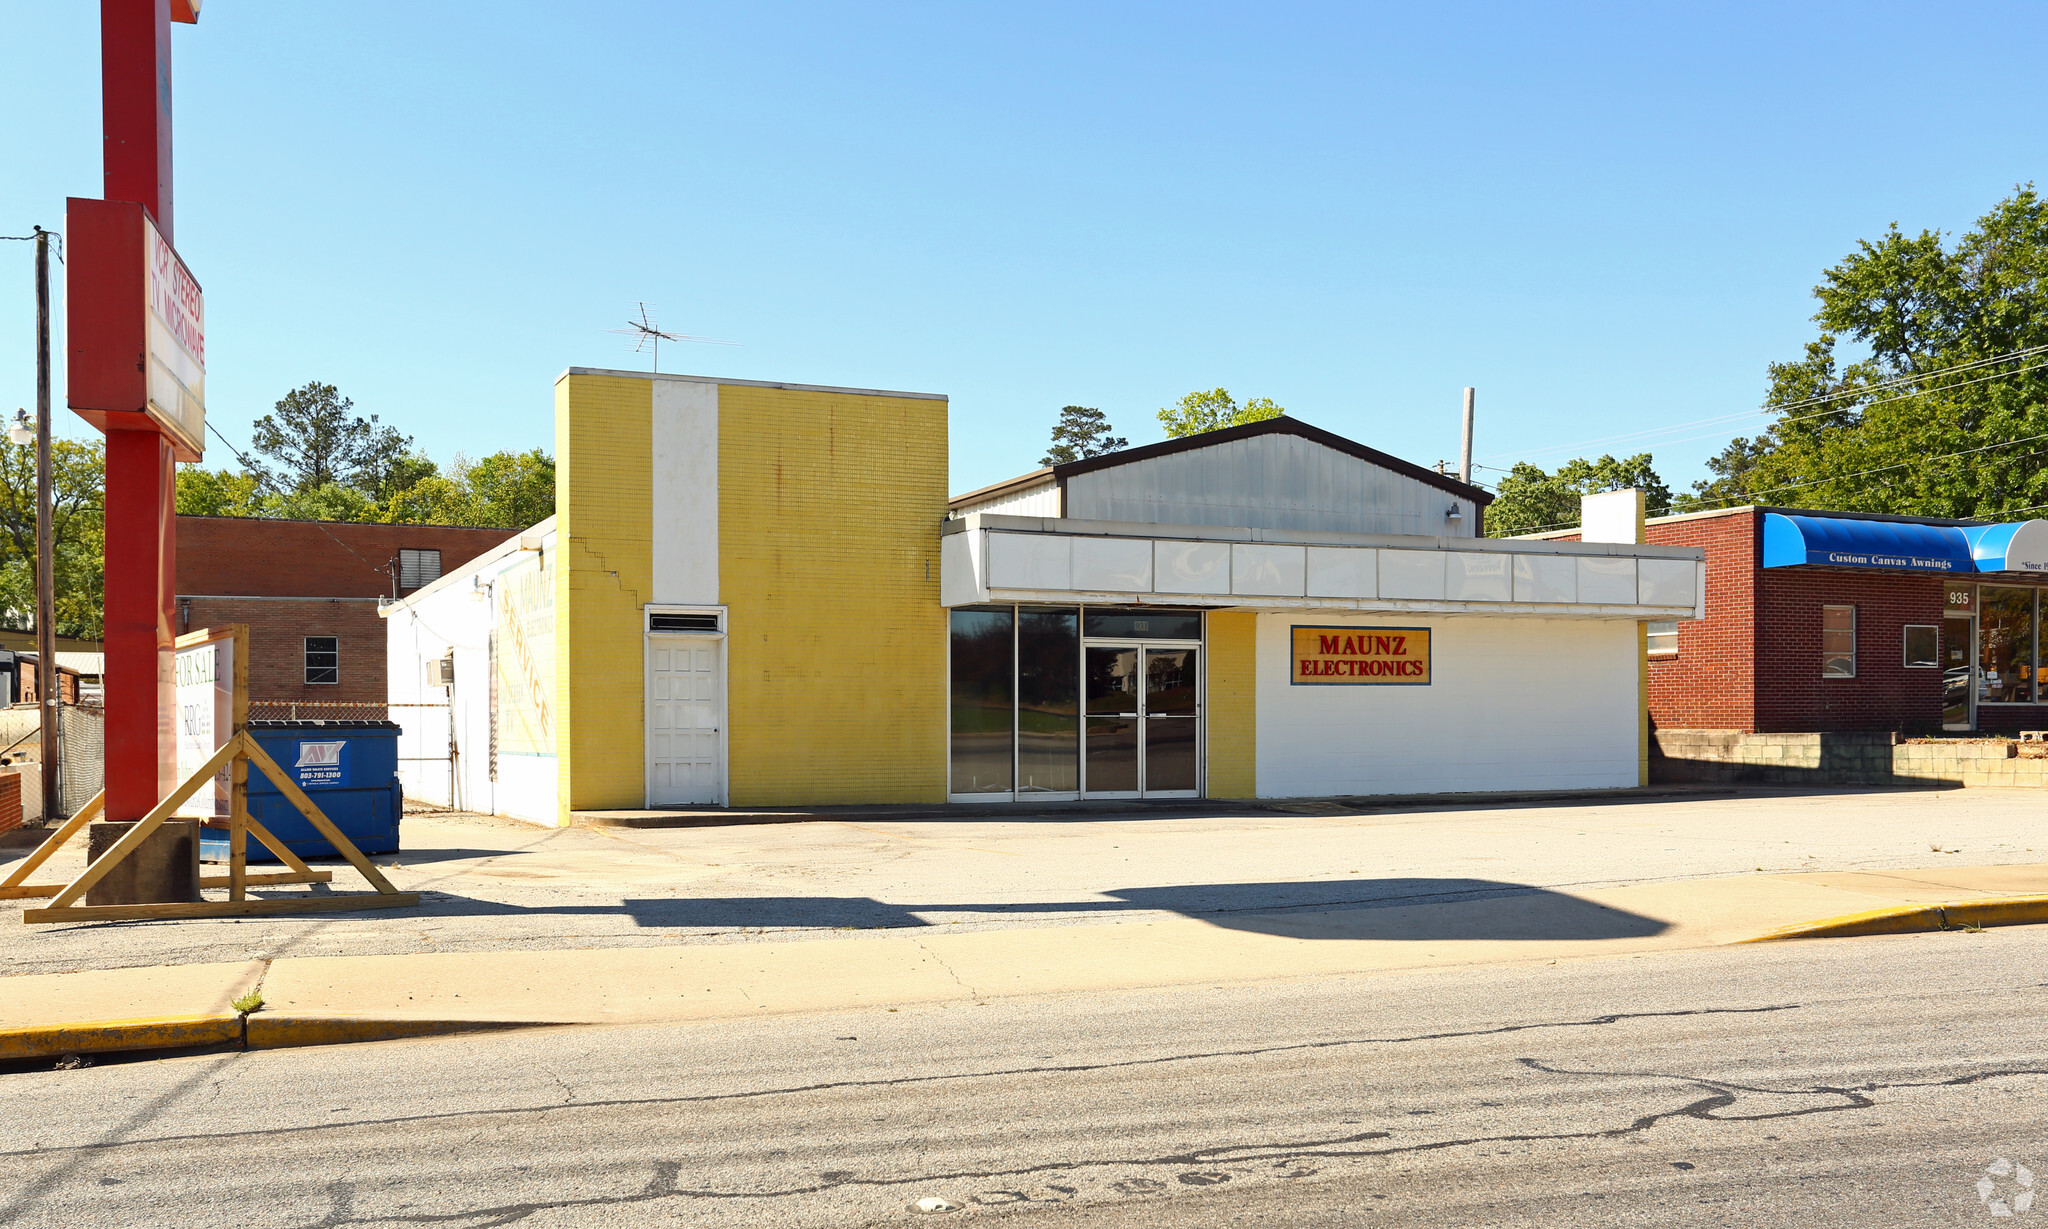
(1663, 638)
(323, 660)
(418, 567)
(1922, 643)
(1838, 642)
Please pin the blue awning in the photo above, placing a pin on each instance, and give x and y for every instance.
(2017, 546)
(1791, 540)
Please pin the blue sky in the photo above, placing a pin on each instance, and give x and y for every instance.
(1608, 218)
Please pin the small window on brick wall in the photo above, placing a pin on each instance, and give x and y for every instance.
(1663, 638)
(1923, 646)
(418, 567)
(323, 659)
(1838, 642)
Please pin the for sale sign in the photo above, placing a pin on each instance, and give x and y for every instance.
(205, 681)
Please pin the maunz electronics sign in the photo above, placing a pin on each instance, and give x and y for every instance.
(1361, 656)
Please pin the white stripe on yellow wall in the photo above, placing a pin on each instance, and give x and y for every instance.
(685, 492)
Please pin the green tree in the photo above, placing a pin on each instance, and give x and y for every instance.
(506, 490)
(1529, 500)
(330, 501)
(513, 490)
(389, 477)
(1935, 419)
(1214, 410)
(315, 438)
(1081, 432)
(219, 492)
(78, 478)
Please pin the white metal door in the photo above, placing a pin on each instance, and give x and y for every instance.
(685, 759)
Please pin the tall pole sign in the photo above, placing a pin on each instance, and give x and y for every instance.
(136, 369)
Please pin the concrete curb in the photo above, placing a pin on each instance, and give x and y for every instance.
(1910, 919)
(99, 1036)
(260, 1031)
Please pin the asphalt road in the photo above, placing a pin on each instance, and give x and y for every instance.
(1846, 1082)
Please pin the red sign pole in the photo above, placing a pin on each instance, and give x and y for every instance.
(141, 545)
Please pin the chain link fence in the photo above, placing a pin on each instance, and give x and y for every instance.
(81, 752)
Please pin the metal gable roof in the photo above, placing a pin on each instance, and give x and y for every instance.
(1283, 425)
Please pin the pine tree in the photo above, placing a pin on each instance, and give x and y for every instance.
(1082, 431)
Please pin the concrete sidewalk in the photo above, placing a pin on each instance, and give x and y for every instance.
(310, 1000)
(498, 885)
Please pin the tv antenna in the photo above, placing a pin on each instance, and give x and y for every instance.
(647, 339)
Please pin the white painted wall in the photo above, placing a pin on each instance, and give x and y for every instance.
(1041, 500)
(1513, 704)
(458, 612)
(684, 476)
(420, 631)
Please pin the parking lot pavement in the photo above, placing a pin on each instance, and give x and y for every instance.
(500, 885)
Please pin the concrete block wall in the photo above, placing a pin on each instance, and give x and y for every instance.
(1737, 757)
(604, 573)
(830, 505)
(1233, 704)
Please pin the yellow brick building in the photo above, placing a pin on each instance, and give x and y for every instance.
(760, 562)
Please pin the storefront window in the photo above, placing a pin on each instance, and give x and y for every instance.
(1838, 642)
(1048, 700)
(1145, 624)
(982, 670)
(1662, 639)
(2005, 646)
(1922, 646)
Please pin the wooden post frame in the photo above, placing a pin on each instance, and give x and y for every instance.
(236, 754)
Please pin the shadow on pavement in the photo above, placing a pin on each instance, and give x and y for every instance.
(1344, 909)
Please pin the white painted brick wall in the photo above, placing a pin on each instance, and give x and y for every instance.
(1513, 704)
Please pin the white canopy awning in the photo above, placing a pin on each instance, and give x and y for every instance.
(992, 558)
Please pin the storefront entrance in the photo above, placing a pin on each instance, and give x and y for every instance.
(1143, 714)
(1958, 651)
(1051, 703)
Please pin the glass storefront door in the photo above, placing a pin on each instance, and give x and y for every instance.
(1958, 652)
(1062, 702)
(1143, 721)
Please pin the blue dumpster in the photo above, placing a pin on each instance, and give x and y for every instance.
(350, 771)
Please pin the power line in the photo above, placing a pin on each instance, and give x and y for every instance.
(1860, 391)
(1947, 456)
(1750, 496)
(261, 478)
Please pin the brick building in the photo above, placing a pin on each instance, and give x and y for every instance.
(308, 591)
(1840, 621)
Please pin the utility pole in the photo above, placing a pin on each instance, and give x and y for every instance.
(46, 548)
(1465, 452)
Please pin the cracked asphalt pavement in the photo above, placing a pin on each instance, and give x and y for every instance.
(1856, 1082)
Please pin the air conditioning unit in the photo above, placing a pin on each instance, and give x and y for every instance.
(441, 671)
